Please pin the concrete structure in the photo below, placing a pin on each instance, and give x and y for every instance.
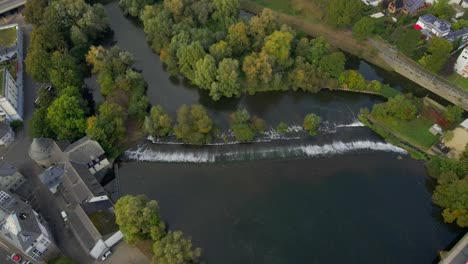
(458, 254)
(461, 66)
(10, 178)
(377, 15)
(372, 2)
(7, 135)
(21, 226)
(11, 98)
(8, 5)
(435, 129)
(464, 3)
(72, 171)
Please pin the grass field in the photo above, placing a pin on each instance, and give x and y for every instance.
(459, 81)
(415, 131)
(7, 37)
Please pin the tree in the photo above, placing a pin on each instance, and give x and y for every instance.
(451, 194)
(319, 47)
(220, 50)
(158, 123)
(134, 7)
(258, 124)
(227, 80)
(261, 26)
(443, 10)
(400, 107)
(34, 11)
(193, 125)
(66, 117)
(174, 248)
(188, 56)
(278, 46)
(205, 72)
(408, 41)
(352, 80)
(158, 27)
(237, 38)
(37, 64)
(138, 218)
(107, 127)
(64, 71)
(302, 47)
(333, 64)
(439, 50)
(453, 114)
(226, 12)
(175, 7)
(364, 28)
(241, 126)
(342, 13)
(461, 23)
(311, 124)
(374, 86)
(39, 125)
(305, 76)
(257, 69)
(282, 128)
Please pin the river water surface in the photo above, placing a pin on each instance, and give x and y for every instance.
(344, 196)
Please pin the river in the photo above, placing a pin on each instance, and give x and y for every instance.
(342, 196)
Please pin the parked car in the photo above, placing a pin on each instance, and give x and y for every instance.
(106, 255)
(16, 257)
(64, 216)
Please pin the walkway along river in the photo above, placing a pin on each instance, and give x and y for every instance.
(342, 196)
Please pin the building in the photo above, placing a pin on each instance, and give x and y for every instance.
(22, 227)
(432, 26)
(11, 95)
(461, 66)
(7, 135)
(372, 2)
(10, 178)
(72, 171)
(464, 3)
(407, 6)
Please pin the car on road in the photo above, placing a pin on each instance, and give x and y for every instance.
(64, 216)
(16, 257)
(106, 255)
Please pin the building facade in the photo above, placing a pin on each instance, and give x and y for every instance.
(10, 178)
(22, 227)
(461, 66)
(7, 135)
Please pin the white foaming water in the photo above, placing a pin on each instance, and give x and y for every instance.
(356, 123)
(206, 156)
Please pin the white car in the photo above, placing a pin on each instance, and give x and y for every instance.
(64, 216)
(106, 255)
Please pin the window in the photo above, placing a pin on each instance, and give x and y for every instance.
(4, 196)
(36, 254)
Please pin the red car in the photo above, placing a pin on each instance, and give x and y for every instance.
(16, 258)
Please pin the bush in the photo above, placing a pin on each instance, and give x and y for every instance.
(282, 128)
(311, 123)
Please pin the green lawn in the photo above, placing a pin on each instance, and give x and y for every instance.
(415, 131)
(459, 81)
(7, 37)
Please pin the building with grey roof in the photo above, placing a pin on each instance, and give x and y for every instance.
(7, 135)
(23, 227)
(432, 26)
(72, 171)
(10, 178)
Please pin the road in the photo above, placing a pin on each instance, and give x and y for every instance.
(7, 5)
(43, 201)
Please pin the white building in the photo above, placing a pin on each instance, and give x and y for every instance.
(461, 66)
(7, 135)
(372, 2)
(431, 25)
(21, 226)
(11, 96)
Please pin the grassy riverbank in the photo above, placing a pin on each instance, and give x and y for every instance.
(307, 22)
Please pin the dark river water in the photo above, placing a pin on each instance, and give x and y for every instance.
(344, 196)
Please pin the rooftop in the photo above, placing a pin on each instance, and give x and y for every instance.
(52, 176)
(4, 128)
(7, 37)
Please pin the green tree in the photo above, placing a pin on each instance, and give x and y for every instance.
(37, 64)
(107, 127)
(305, 76)
(34, 11)
(220, 50)
(352, 80)
(461, 23)
(278, 47)
(333, 64)
(227, 80)
(175, 7)
(451, 194)
(238, 39)
(319, 47)
(261, 26)
(64, 71)
(241, 126)
(282, 128)
(302, 47)
(311, 124)
(439, 50)
(374, 86)
(343, 13)
(158, 123)
(258, 124)
(453, 114)
(67, 118)
(138, 218)
(158, 27)
(400, 107)
(174, 248)
(205, 72)
(226, 12)
(39, 125)
(193, 125)
(188, 56)
(408, 41)
(443, 10)
(134, 7)
(364, 28)
(257, 68)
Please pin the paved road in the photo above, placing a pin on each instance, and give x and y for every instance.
(7, 5)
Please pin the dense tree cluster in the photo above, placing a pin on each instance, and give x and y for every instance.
(62, 32)
(343, 13)
(158, 123)
(400, 107)
(207, 43)
(451, 193)
(311, 124)
(139, 220)
(453, 114)
(244, 126)
(194, 125)
(438, 53)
